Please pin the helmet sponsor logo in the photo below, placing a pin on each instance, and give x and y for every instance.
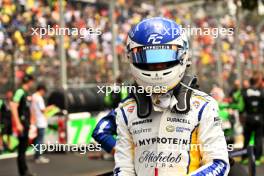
(155, 39)
(157, 47)
(157, 77)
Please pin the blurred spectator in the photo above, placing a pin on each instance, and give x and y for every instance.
(217, 93)
(237, 102)
(20, 109)
(6, 119)
(254, 100)
(38, 109)
(245, 84)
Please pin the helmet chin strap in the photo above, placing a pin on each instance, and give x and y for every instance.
(182, 92)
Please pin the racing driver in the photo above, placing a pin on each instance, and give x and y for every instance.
(171, 129)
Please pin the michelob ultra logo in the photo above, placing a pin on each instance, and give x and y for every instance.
(152, 157)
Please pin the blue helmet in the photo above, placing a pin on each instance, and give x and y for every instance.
(158, 52)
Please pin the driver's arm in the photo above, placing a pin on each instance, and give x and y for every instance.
(104, 132)
(214, 149)
(124, 154)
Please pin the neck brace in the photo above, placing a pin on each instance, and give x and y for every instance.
(182, 93)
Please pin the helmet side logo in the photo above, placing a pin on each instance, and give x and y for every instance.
(154, 39)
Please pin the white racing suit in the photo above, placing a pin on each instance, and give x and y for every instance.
(171, 144)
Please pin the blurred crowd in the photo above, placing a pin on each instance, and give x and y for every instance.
(241, 112)
(90, 60)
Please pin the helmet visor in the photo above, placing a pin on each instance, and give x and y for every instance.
(155, 54)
